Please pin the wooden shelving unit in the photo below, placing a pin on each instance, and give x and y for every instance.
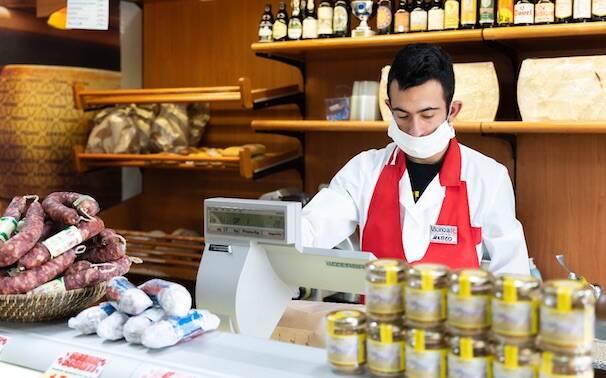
(586, 29)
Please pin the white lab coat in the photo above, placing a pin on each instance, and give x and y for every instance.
(335, 212)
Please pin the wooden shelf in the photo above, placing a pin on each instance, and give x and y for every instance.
(545, 127)
(545, 31)
(242, 93)
(248, 166)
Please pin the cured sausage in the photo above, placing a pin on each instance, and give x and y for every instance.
(31, 279)
(77, 267)
(18, 245)
(61, 242)
(16, 208)
(68, 207)
(96, 274)
(107, 246)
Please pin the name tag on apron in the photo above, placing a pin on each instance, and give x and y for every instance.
(442, 234)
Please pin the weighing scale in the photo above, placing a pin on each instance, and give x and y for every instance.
(253, 262)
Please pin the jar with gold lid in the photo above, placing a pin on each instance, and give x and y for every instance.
(514, 358)
(564, 365)
(426, 351)
(567, 316)
(385, 288)
(469, 300)
(386, 347)
(346, 341)
(469, 356)
(426, 286)
(515, 305)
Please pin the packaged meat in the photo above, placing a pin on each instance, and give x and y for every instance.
(172, 297)
(126, 297)
(112, 327)
(174, 329)
(88, 320)
(136, 325)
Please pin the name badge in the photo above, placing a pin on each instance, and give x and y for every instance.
(443, 234)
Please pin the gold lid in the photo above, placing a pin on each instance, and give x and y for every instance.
(346, 319)
(427, 274)
(419, 338)
(468, 281)
(470, 346)
(512, 285)
(385, 265)
(566, 294)
(386, 331)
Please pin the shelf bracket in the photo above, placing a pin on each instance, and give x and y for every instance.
(298, 63)
(296, 163)
(295, 98)
(509, 52)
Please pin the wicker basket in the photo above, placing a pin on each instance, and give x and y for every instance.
(41, 307)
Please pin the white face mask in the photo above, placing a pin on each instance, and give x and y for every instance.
(425, 146)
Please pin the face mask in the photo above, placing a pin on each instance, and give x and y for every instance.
(425, 146)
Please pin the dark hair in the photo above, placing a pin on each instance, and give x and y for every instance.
(418, 63)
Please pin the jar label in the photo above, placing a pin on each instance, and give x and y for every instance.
(500, 371)
(524, 13)
(425, 306)
(384, 299)
(515, 319)
(544, 12)
(569, 328)
(386, 357)
(587, 374)
(425, 364)
(346, 350)
(476, 367)
(471, 312)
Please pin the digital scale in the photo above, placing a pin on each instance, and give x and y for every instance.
(254, 262)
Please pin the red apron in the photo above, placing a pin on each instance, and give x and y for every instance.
(382, 233)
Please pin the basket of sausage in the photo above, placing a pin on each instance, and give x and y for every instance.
(55, 257)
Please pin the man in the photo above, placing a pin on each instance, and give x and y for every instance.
(424, 197)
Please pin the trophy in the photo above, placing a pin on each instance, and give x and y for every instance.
(362, 9)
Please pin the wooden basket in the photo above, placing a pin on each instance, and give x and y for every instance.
(41, 307)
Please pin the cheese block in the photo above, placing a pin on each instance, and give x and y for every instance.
(476, 85)
(563, 89)
(256, 149)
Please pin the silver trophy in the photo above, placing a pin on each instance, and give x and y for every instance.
(362, 10)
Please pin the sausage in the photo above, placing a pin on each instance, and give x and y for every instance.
(31, 279)
(67, 207)
(107, 246)
(48, 230)
(41, 253)
(78, 266)
(20, 244)
(96, 274)
(16, 208)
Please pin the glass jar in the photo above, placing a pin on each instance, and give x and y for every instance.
(426, 351)
(515, 305)
(426, 286)
(385, 288)
(386, 347)
(469, 356)
(469, 298)
(514, 358)
(346, 341)
(567, 316)
(563, 365)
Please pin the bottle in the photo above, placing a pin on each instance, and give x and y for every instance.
(340, 21)
(469, 13)
(402, 18)
(325, 16)
(504, 12)
(435, 16)
(310, 22)
(281, 24)
(451, 14)
(581, 11)
(563, 11)
(418, 17)
(295, 27)
(544, 12)
(266, 25)
(384, 17)
(523, 13)
(487, 13)
(598, 10)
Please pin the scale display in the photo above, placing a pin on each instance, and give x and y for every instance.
(265, 224)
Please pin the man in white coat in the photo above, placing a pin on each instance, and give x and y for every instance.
(425, 197)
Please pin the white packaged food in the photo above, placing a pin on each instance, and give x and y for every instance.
(126, 297)
(135, 326)
(112, 327)
(87, 321)
(172, 297)
(170, 331)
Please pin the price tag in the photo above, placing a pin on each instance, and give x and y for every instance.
(148, 371)
(76, 365)
(88, 14)
(3, 342)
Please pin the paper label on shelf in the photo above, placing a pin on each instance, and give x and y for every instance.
(88, 14)
(63, 241)
(76, 365)
(148, 371)
(3, 342)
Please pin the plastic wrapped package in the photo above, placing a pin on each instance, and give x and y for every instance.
(126, 297)
(124, 129)
(87, 321)
(199, 115)
(172, 330)
(112, 327)
(172, 297)
(136, 325)
(170, 129)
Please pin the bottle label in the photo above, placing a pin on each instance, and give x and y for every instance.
(387, 358)
(265, 33)
(418, 20)
(505, 12)
(325, 15)
(294, 29)
(475, 367)
(468, 12)
(402, 22)
(340, 20)
(451, 14)
(487, 11)
(499, 370)
(599, 8)
(436, 19)
(425, 363)
(310, 28)
(544, 13)
(280, 29)
(582, 9)
(383, 18)
(563, 8)
(524, 13)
